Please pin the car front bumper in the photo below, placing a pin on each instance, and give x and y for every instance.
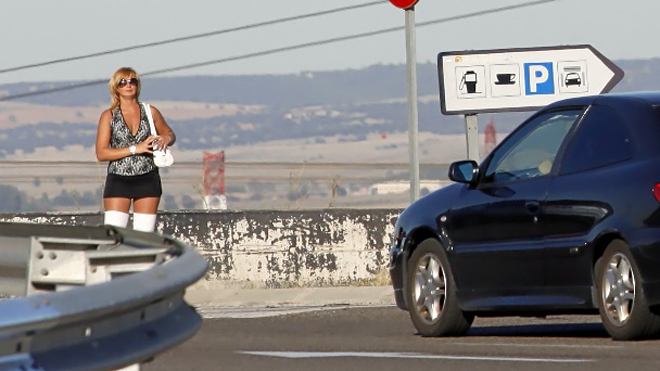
(397, 274)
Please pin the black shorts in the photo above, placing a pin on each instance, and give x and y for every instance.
(138, 186)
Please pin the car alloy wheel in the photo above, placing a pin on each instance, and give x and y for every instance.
(623, 307)
(429, 288)
(431, 293)
(618, 289)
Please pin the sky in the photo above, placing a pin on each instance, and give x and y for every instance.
(36, 31)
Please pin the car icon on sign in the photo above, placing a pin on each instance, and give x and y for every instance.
(573, 78)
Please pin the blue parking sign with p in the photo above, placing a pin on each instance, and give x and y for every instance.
(539, 78)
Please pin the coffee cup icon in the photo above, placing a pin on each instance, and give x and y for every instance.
(505, 79)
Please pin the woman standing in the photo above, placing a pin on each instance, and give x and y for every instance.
(125, 140)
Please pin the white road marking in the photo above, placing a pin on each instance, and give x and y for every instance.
(539, 345)
(407, 355)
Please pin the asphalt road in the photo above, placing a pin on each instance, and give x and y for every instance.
(382, 338)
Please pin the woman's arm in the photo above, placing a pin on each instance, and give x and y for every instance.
(103, 150)
(162, 128)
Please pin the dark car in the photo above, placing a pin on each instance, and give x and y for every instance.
(573, 78)
(563, 217)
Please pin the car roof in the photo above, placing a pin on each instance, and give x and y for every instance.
(650, 97)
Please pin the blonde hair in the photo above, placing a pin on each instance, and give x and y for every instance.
(122, 73)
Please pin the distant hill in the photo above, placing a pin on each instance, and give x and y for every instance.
(285, 91)
(347, 103)
(640, 75)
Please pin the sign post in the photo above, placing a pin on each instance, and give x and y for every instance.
(413, 117)
(472, 137)
(523, 79)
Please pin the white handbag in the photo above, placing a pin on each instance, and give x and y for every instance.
(161, 158)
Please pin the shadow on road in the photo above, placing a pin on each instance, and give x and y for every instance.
(568, 330)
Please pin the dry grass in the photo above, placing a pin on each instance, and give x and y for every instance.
(381, 278)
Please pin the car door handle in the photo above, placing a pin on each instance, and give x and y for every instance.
(533, 206)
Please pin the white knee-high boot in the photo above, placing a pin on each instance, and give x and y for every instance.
(116, 218)
(144, 222)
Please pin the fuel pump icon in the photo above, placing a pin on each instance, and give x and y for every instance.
(469, 81)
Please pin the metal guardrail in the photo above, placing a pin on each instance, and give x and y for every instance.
(77, 185)
(92, 298)
(235, 172)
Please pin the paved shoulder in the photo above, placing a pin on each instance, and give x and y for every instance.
(214, 295)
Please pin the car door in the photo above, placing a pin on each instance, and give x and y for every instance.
(593, 174)
(497, 246)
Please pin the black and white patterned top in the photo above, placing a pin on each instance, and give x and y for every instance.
(121, 137)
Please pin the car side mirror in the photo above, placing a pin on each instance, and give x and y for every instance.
(464, 171)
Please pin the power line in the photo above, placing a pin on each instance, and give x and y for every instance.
(344, 38)
(190, 37)
(287, 48)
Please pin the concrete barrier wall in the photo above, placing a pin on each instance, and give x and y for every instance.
(273, 249)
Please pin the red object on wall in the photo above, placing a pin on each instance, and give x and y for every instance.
(404, 4)
(490, 137)
(214, 173)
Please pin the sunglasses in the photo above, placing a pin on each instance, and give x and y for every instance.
(123, 82)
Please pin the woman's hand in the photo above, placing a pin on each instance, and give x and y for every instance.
(147, 145)
(158, 143)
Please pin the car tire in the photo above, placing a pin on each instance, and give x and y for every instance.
(623, 307)
(431, 293)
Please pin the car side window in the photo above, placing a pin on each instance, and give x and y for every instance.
(530, 152)
(601, 139)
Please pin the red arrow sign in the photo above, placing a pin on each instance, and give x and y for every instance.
(404, 4)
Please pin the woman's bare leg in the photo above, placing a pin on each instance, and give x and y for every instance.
(122, 204)
(146, 205)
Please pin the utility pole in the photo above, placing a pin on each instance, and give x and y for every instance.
(413, 117)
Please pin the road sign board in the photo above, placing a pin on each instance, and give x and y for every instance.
(521, 79)
(404, 4)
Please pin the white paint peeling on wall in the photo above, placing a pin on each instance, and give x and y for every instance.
(275, 248)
